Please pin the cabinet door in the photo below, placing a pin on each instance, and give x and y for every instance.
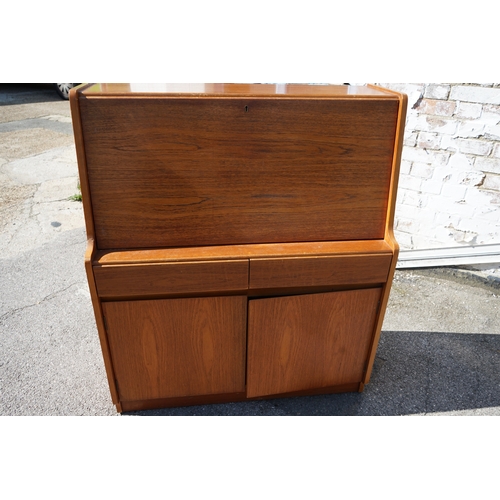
(309, 341)
(177, 347)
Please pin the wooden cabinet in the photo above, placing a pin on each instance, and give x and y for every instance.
(240, 236)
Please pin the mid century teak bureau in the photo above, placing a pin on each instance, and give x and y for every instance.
(240, 241)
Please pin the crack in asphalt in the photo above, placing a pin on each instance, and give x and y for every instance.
(48, 297)
(51, 201)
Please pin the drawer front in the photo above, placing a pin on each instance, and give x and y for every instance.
(319, 271)
(149, 280)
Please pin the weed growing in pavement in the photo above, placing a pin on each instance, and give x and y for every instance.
(78, 196)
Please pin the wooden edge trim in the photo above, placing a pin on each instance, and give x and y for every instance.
(82, 87)
(236, 252)
(380, 319)
(238, 97)
(74, 95)
(99, 317)
(318, 256)
(389, 228)
(396, 162)
(90, 251)
(116, 94)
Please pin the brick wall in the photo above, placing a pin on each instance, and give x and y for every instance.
(449, 188)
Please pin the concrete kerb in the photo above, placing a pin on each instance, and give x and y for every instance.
(461, 275)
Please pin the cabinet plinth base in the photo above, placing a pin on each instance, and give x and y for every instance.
(236, 397)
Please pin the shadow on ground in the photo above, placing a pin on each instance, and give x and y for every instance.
(414, 373)
(25, 93)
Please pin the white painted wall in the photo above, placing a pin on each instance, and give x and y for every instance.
(449, 188)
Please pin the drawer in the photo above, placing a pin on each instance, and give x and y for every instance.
(172, 278)
(319, 271)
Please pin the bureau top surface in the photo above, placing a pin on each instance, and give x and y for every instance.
(233, 90)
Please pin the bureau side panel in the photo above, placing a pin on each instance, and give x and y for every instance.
(168, 172)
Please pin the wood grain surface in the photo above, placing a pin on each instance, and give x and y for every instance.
(169, 172)
(259, 251)
(99, 318)
(218, 90)
(309, 341)
(82, 162)
(319, 271)
(177, 347)
(148, 280)
(389, 233)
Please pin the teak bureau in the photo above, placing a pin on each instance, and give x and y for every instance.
(240, 238)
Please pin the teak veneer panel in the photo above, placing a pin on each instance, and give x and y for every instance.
(319, 271)
(176, 172)
(309, 341)
(174, 278)
(218, 90)
(177, 347)
(148, 280)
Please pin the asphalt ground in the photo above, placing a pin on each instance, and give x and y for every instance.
(439, 352)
